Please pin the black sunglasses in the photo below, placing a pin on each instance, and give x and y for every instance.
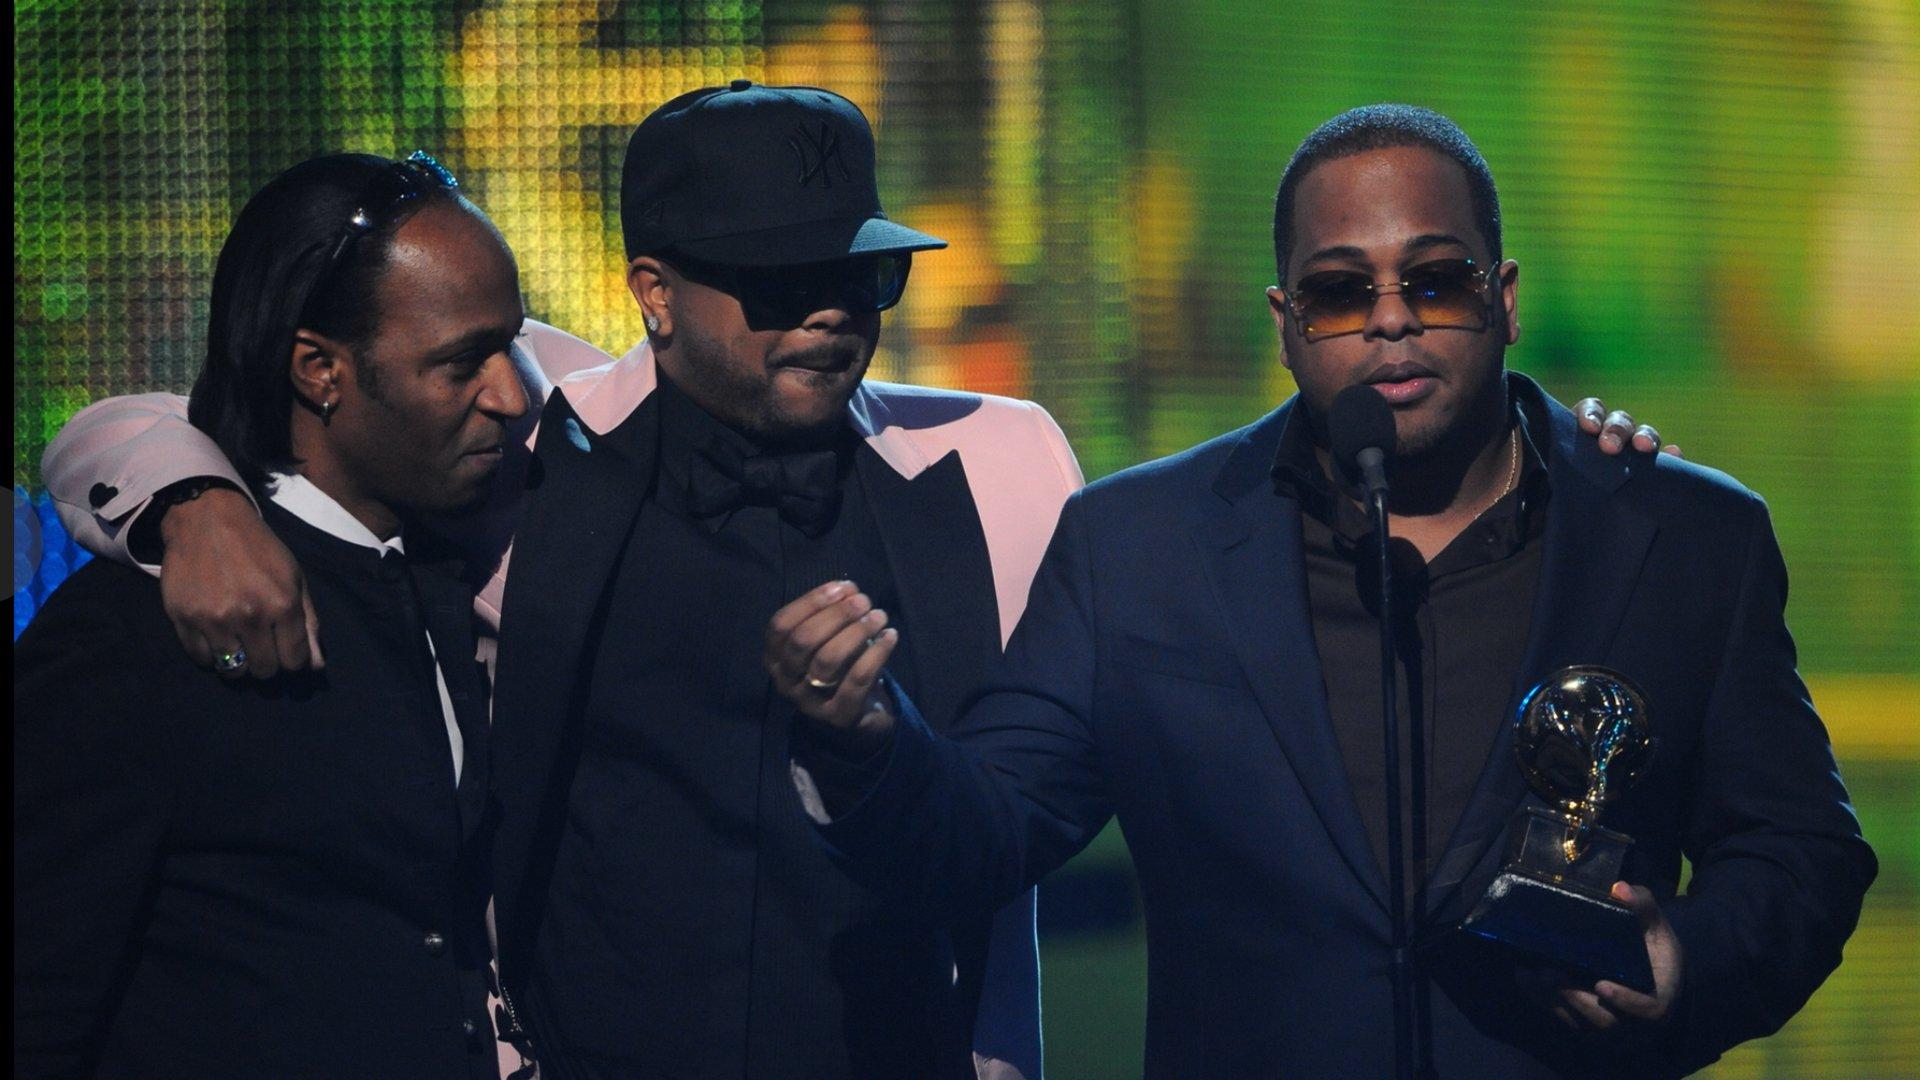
(786, 295)
(1443, 294)
(396, 185)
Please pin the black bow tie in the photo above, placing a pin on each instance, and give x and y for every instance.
(804, 487)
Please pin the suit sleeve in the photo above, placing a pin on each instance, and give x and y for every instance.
(956, 826)
(1779, 865)
(109, 461)
(1006, 1031)
(90, 805)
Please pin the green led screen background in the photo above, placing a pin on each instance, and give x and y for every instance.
(1715, 205)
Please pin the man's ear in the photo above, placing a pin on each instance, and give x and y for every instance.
(647, 281)
(319, 367)
(1277, 301)
(1510, 298)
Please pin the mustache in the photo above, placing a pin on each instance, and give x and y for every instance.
(1405, 351)
(834, 355)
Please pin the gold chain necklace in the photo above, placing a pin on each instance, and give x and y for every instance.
(1513, 474)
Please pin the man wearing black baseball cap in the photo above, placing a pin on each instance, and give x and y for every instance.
(663, 907)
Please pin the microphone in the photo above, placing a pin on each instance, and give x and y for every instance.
(1360, 425)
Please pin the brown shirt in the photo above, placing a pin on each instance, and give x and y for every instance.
(1462, 623)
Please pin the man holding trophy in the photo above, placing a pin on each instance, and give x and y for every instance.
(1591, 676)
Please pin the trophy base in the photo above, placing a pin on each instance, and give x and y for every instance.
(1563, 912)
(1597, 938)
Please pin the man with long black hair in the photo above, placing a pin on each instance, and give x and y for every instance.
(279, 877)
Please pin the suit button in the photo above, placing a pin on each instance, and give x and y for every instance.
(435, 943)
(470, 1028)
(100, 495)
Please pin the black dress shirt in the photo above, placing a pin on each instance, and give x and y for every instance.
(1461, 625)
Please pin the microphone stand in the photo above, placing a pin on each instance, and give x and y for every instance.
(1412, 1058)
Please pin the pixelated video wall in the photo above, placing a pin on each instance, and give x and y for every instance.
(1716, 208)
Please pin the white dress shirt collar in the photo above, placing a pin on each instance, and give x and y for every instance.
(302, 498)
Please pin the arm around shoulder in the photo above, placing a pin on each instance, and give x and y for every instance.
(114, 456)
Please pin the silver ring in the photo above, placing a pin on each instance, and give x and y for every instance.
(231, 663)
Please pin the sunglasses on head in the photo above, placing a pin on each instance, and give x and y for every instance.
(786, 295)
(1447, 294)
(396, 185)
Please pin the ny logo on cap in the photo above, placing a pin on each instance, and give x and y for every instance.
(814, 151)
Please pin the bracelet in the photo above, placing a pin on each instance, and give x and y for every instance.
(185, 491)
(143, 539)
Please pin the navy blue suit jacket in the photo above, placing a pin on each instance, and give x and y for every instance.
(1165, 672)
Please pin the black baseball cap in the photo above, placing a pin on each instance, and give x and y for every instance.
(752, 175)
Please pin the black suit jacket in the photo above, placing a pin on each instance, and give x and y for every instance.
(1165, 671)
(587, 491)
(249, 878)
